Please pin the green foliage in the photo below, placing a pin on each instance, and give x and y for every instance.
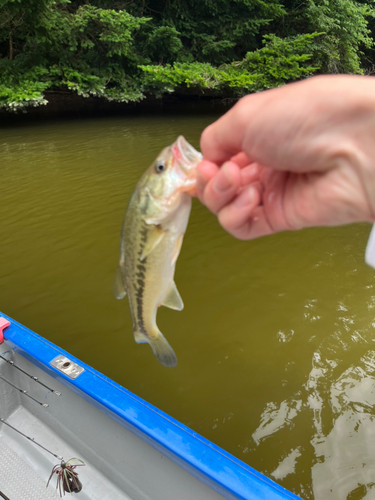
(90, 51)
(345, 24)
(281, 60)
(162, 43)
(278, 62)
(221, 31)
(21, 90)
(346, 31)
(201, 78)
(125, 50)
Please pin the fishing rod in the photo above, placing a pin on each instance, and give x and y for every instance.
(12, 363)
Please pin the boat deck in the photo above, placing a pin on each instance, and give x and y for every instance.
(12, 469)
(24, 467)
(119, 465)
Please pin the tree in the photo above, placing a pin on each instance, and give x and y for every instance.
(125, 50)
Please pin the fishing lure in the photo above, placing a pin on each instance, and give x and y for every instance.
(67, 477)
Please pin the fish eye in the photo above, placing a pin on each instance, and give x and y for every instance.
(159, 167)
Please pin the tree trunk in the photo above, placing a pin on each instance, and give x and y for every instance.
(10, 47)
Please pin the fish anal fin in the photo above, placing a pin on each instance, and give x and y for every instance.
(160, 347)
(173, 298)
(119, 285)
(177, 248)
(154, 237)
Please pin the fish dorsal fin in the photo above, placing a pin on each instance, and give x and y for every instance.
(173, 298)
(154, 237)
(119, 285)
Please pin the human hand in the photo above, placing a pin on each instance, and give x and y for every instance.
(297, 156)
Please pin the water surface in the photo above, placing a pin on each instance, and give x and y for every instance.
(275, 346)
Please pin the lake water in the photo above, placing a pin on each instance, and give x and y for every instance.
(276, 344)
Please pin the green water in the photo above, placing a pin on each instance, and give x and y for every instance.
(275, 346)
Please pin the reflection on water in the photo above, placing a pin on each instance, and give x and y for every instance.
(275, 345)
(339, 400)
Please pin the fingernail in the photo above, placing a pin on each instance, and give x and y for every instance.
(246, 198)
(223, 181)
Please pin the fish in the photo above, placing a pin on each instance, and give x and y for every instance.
(151, 239)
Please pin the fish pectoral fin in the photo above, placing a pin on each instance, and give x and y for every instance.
(177, 248)
(173, 298)
(154, 237)
(160, 347)
(119, 285)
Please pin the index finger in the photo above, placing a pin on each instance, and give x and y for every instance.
(224, 138)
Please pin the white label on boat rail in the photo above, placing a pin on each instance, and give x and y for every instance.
(64, 365)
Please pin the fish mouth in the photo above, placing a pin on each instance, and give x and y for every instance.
(190, 156)
(188, 159)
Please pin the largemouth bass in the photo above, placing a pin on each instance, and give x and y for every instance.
(151, 240)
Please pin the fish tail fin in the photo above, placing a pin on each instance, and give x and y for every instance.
(160, 347)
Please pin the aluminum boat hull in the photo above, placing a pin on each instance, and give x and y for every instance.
(132, 450)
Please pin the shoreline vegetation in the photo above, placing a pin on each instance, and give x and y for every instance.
(101, 54)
